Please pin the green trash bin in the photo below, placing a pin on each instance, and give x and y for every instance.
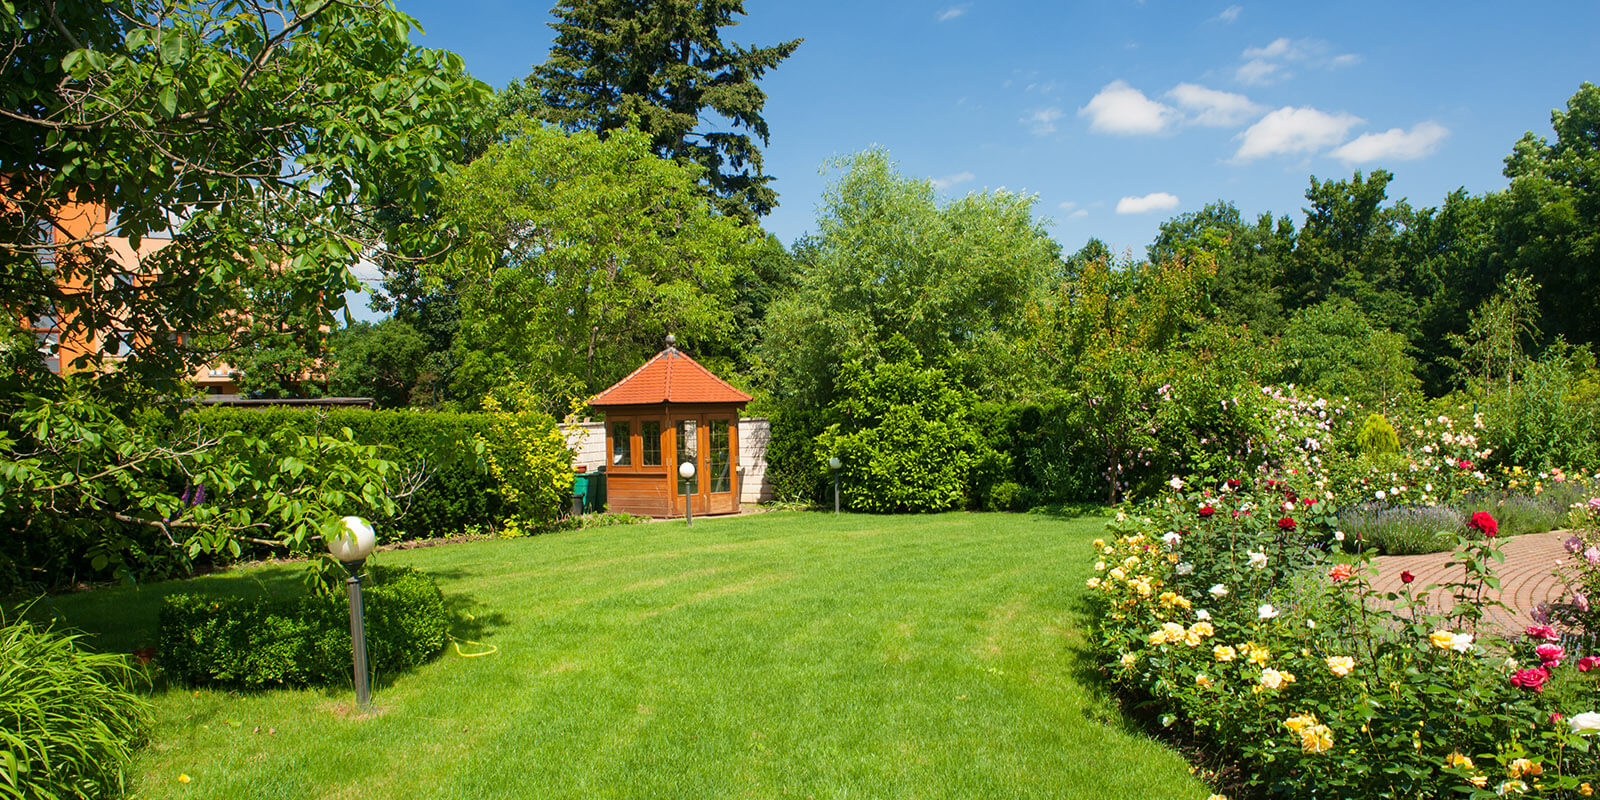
(580, 491)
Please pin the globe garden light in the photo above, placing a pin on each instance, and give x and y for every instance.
(834, 464)
(352, 546)
(686, 471)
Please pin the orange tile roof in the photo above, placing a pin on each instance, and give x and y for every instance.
(670, 377)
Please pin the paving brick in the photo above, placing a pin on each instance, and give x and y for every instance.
(1526, 578)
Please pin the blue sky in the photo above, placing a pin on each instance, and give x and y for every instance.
(1121, 114)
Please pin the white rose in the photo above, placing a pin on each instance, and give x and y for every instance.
(1258, 560)
(1585, 723)
(1219, 591)
(1202, 614)
(1266, 611)
(1185, 568)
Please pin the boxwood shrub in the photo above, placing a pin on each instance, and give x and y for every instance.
(69, 719)
(301, 641)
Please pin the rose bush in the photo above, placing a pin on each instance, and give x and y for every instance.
(1271, 647)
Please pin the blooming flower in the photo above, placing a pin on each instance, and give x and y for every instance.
(1585, 723)
(1522, 766)
(1266, 611)
(1171, 539)
(1482, 521)
(1256, 654)
(1550, 655)
(1461, 642)
(1128, 659)
(1531, 678)
(1218, 591)
(1407, 577)
(1223, 653)
(1456, 759)
(1206, 511)
(1341, 665)
(1592, 555)
(1340, 572)
(1544, 632)
(1202, 680)
(1184, 568)
(1287, 523)
(1258, 560)
(1197, 633)
(1442, 639)
(1316, 739)
(1201, 613)
(1588, 662)
(1176, 482)
(1273, 679)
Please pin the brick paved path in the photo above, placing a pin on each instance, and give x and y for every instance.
(1526, 578)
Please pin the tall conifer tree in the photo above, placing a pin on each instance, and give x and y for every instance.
(662, 65)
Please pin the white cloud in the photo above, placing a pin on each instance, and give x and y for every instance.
(1280, 47)
(1230, 13)
(1265, 64)
(1212, 107)
(1155, 201)
(1294, 130)
(1394, 144)
(1042, 121)
(1257, 72)
(1122, 109)
(951, 13)
(952, 180)
(1073, 212)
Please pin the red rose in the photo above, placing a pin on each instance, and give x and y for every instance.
(1464, 464)
(1531, 678)
(1233, 483)
(1310, 501)
(1483, 522)
(1407, 577)
(1588, 662)
(1340, 572)
(1206, 512)
(1287, 523)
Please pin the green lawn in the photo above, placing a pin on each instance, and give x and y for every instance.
(779, 655)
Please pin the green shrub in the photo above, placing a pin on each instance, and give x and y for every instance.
(1377, 437)
(1551, 416)
(904, 434)
(1006, 496)
(301, 641)
(460, 491)
(69, 719)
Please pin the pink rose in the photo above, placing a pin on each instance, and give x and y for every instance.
(1544, 632)
(1550, 654)
(1531, 678)
(1588, 662)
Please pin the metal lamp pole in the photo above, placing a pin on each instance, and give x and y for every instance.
(352, 548)
(686, 471)
(834, 464)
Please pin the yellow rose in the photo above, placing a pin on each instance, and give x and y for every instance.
(1585, 789)
(1257, 654)
(1094, 583)
(1099, 543)
(1455, 759)
(1203, 680)
(1316, 739)
(1128, 659)
(1341, 665)
(1442, 639)
(1300, 722)
(1117, 574)
(1130, 562)
(1273, 679)
(1222, 652)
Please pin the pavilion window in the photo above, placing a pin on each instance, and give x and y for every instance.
(620, 444)
(718, 459)
(650, 443)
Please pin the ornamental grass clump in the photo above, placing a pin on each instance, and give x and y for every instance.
(69, 719)
(1274, 652)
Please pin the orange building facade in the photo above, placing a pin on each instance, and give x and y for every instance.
(58, 347)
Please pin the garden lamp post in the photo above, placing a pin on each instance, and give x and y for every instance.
(834, 464)
(686, 471)
(352, 548)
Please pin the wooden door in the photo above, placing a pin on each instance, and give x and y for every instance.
(711, 442)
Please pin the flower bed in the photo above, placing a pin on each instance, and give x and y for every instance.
(1235, 614)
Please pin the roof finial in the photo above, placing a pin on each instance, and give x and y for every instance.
(671, 342)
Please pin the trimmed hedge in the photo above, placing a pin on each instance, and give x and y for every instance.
(69, 719)
(460, 495)
(301, 641)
